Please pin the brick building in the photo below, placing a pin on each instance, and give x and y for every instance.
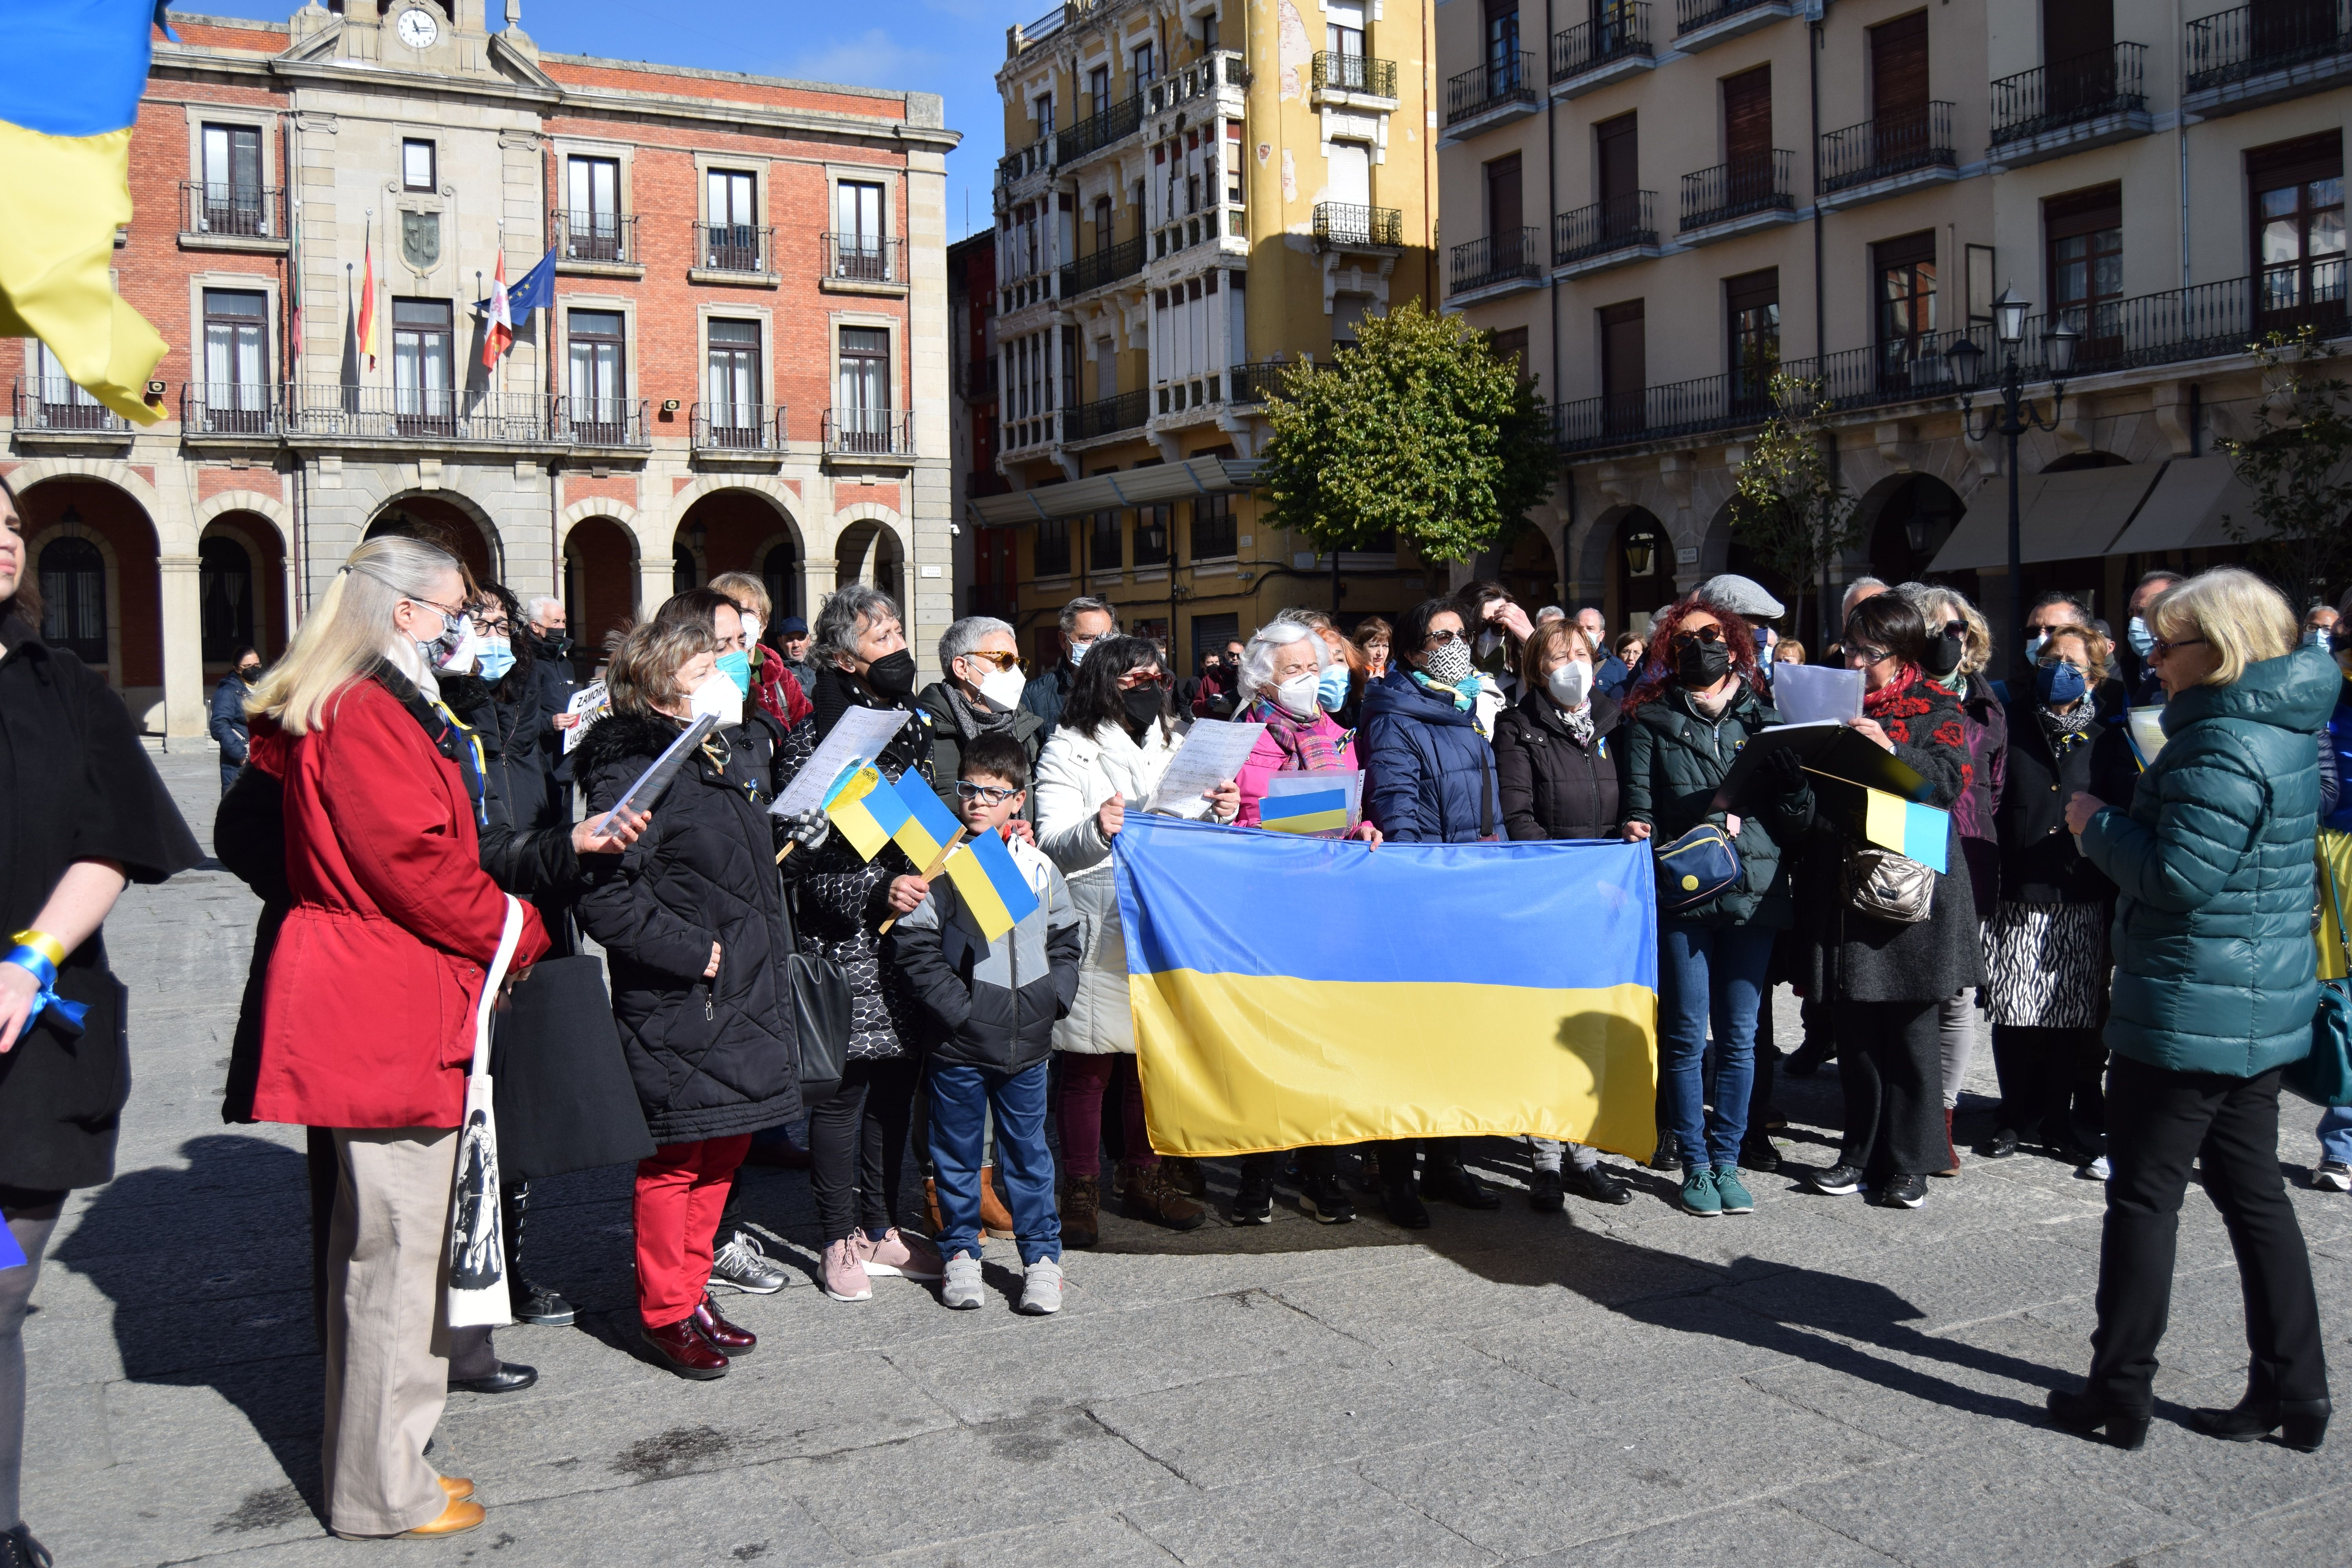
(745, 368)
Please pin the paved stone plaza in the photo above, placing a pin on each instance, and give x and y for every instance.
(1821, 1383)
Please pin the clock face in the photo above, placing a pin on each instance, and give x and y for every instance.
(418, 29)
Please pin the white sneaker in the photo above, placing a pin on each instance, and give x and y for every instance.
(962, 1289)
(1041, 1288)
(2334, 1176)
(2097, 1170)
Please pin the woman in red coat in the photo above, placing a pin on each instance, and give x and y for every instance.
(368, 1010)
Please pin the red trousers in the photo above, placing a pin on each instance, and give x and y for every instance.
(680, 1192)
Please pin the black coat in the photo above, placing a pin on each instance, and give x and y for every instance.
(711, 1058)
(2040, 863)
(1674, 761)
(553, 687)
(1045, 695)
(78, 787)
(1555, 786)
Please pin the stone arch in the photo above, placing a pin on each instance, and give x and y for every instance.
(170, 523)
(2092, 458)
(869, 545)
(728, 524)
(261, 502)
(448, 517)
(1921, 507)
(1626, 595)
(265, 558)
(620, 512)
(80, 500)
(601, 574)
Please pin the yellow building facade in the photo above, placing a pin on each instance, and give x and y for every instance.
(1199, 193)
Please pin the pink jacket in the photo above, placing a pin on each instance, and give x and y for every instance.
(1267, 758)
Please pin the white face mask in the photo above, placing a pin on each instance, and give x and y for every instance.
(718, 697)
(751, 630)
(459, 660)
(1296, 695)
(1002, 688)
(1571, 684)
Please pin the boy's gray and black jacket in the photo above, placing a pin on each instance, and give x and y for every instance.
(992, 1006)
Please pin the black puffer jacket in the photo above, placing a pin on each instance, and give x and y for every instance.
(715, 1058)
(2040, 862)
(993, 1006)
(1554, 785)
(1675, 761)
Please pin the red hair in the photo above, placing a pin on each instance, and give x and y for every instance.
(1657, 653)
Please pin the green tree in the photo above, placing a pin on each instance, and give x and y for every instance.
(2298, 463)
(1787, 505)
(1421, 429)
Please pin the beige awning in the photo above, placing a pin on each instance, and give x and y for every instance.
(1145, 486)
(2060, 517)
(2189, 508)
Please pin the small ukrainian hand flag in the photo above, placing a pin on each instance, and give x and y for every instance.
(995, 894)
(929, 826)
(866, 810)
(70, 79)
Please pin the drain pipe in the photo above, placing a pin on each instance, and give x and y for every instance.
(1813, 78)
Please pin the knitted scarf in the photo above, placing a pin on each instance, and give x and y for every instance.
(1306, 745)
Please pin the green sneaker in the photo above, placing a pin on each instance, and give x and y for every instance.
(1698, 1192)
(1735, 1197)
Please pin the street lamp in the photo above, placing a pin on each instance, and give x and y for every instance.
(2015, 414)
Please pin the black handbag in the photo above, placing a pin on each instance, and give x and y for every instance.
(566, 1101)
(821, 1018)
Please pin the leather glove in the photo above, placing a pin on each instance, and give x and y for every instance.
(808, 830)
(1787, 769)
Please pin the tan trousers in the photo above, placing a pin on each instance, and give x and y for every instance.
(387, 1345)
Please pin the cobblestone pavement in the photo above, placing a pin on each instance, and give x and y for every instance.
(1822, 1382)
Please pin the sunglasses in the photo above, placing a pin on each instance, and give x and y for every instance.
(1682, 640)
(1139, 680)
(1440, 639)
(997, 660)
(988, 795)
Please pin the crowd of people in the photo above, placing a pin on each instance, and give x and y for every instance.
(408, 788)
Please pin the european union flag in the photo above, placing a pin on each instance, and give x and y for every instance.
(535, 290)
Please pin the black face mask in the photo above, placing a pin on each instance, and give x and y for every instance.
(1702, 664)
(249, 673)
(1945, 651)
(892, 676)
(557, 643)
(1143, 707)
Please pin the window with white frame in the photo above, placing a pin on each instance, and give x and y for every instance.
(233, 202)
(859, 251)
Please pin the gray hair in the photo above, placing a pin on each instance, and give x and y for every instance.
(1257, 658)
(964, 636)
(1079, 606)
(837, 620)
(1846, 604)
(1550, 613)
(534, 610)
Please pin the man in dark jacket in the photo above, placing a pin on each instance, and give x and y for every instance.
(1085, 621)
(980, 695)
(793, 638)
(2141, 683)
(229, 713)
(553, 683)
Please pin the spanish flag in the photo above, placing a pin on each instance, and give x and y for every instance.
(71, 73)
(1291, 991)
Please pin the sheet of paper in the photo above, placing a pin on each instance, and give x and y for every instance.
(852, 744)
(2144, 727)
(1816, 693)
(588, 704)
(647, 792)
(1212, 752)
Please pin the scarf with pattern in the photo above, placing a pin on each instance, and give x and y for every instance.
(1307, 746)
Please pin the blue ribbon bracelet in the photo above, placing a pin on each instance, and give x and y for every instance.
(32, 959)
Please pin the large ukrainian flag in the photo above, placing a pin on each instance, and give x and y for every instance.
(1294, 991)
(71, 72)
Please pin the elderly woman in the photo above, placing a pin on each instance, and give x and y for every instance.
(1283, 675)
(1339, 690)
(2214, 995)
(1891, 979)
(2046, 958)
(1117, 734)
(1558, 779)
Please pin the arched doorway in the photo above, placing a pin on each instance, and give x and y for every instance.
(868, 553)
(441, 522)
(599, 580)
(240, 589)
(73, 598)
(1529, 569)
(727, 530)
(780, 569)
(106, 603)
(1642, 572)
(1913, 523)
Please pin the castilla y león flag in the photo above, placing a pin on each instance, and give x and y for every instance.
(1290, 990)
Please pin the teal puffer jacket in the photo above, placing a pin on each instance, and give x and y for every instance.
(2214, 961)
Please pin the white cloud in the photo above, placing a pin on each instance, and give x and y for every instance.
(872, 58)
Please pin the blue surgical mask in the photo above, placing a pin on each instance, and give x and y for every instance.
(2318, 638)
(2060, 682)
(2143, 641)
(496, 655)
(2033, 647)
(1331, 687)
(737, 667)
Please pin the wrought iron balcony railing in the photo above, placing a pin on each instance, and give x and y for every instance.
(1097, 131)
(1254, 382)
(1618, 223)
(866, 257)
(235, 408)
(593, 236)
(737, 427)
(1124, 259)
(1744, 185)
(734, 248)
(1690, 15)
(1341, 224)
(2268, 36)
(1108, 415)
(2067, 92)
(869, 432)
(1496, 258)
(232, 212)
(1891, 145)
(53, 402)
(422, 414)
(1355, 73)
(601, 421)
(1510, 79)
(1620, 30)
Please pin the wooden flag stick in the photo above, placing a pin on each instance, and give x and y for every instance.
(929, 872)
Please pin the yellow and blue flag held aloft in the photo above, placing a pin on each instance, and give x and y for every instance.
(993, 889)
(71, 72)
(1293, 990)
(865, 810)
(929, 826)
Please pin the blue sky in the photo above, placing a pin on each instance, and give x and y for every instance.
(951, 48)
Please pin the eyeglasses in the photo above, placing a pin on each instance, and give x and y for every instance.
(1682, 640)
(987, 794)
(1439, 639)
(1138, 680)
(994, 658)
(2160, 648)
(1868, 656)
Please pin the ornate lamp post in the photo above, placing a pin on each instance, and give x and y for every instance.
(2014, 416)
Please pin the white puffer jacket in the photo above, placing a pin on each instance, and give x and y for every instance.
(1074, 775)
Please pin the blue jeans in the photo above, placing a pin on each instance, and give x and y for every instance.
(961, 1098)
(1709, 973)
(2336, 1134)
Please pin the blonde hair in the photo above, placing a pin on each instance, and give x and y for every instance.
(2242, 618)
(350, 630)
(642, 675)
(1976, 646)
(748, 593)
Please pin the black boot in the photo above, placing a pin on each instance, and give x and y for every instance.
(2301, 1424)
(532, 1303)
(2087, 1418)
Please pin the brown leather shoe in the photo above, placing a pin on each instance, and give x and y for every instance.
(724, 1336)
(1183, 1174)
(462, 1515)
(1081, 1212)
(457, 1488)
(686, 1353)
(995, 1219)
(1144, 1193)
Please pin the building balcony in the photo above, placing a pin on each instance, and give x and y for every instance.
(424, 417)
(1107, 417)
(1024, 165)
(1493, 94)
(232, 217)
(1703, 23)
(740, 253)
(1189, 400)
(2069, 106)
(1098, 131)
(1344, 225)
(1254, 382)
(1737, 198)
(52, 405)
(233, 411)
(1221, 74)
(1612, 47)
(869, 432)
(1344, 76)
(1103, 267)
(1030, 433)
(2264, 52)
(1660, 413)
(863, 264)
(595, 244)
(1171, 238)
(1888, 155)
(1499, 264)
(1607, 233)
(618, 423)
(737, 430)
